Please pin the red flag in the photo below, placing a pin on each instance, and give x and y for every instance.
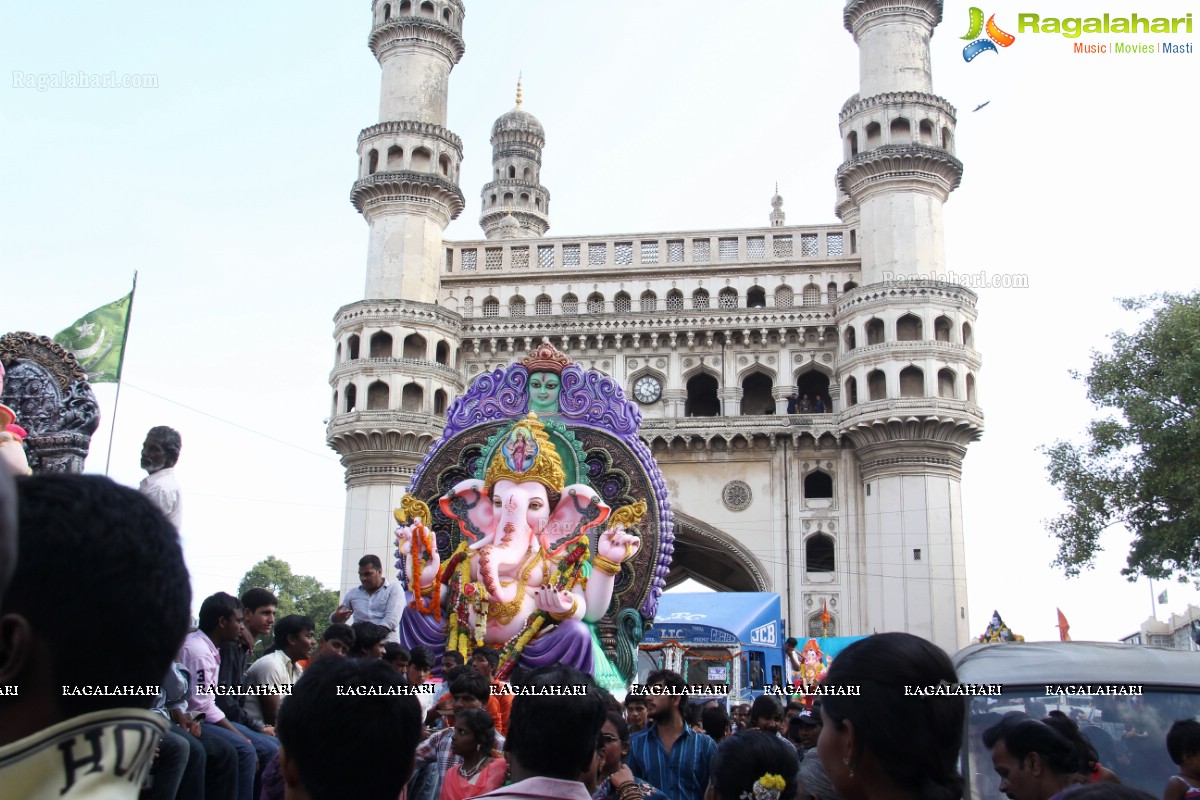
(1063, 627)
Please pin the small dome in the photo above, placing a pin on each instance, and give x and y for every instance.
(509, 222)
(518, 121)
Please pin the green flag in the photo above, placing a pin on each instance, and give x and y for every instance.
(97, 340)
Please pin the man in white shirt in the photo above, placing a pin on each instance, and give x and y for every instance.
(160, 454)
(277, 669)
(375, 600)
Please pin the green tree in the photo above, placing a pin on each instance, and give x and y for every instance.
(1141, 465)
(297, 594)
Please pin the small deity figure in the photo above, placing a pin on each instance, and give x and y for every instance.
(523, 578)
(160, 454)
(519, 449)
(813, 664)
(545, 366)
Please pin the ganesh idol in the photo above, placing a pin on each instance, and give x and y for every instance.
(525, 578)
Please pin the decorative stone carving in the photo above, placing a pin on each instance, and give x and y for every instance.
(52, 399)
(737, 496)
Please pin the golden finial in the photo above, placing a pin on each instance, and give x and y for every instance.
(518, 90)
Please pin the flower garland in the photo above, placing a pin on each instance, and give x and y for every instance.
(674, 644)
(421, 537)
(568, 574)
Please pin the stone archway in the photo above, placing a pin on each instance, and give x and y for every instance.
(714, 559)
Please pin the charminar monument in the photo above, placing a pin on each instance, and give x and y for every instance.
(853, 486)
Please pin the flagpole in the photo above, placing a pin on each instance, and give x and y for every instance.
(1153, 608)
(120, 365)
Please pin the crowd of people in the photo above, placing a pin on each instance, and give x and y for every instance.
(121, 699)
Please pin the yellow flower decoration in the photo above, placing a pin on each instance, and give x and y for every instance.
(773, 781)
(768, 787)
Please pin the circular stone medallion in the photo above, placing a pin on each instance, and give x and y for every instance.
(736, 495)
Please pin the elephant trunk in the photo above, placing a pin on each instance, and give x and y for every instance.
(498, 556)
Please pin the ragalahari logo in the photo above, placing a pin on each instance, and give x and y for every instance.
(995, 36)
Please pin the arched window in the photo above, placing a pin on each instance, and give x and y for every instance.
(785, 297)
(405, 6)
(337, 354)
(849, 338)
(727, 298)
(852, 144)
(446, 15)
(812, 295)
(926, 131)
(543, 306)
(874, 331)
(422, 160)
(702, 397)
(756, 395)
(439, 402)
(412, 398)
(848, 285)
(381, 345)
(442, 353)
(818, 554)
(813, 384)
(876, 385)
(415, 346)
(970, 388)
(377, 396)
(351, 398)
(570, 304)
(512, 172)
(908, 328)
(352, 347)
(444, 164)
(674, 300)
(699, 299)
(946, 381)
(387, 11)
(622, 303)
(516, 306)
(968, 336)
(595, 303)
(756, 297)
(491, 307)
(941, 329)
(372, 162)
(427, 8)
(648, 301)
(395, 158)
(527, 174)
(831, 291)
(525, 199)
(874, 135)
(851, 392)
(912, 382)
(468, 306)
(901, 131)
(818, 485)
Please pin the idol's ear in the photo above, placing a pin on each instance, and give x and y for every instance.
(467, 503)
(579, 510)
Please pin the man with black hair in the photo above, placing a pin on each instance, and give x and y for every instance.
(397, 655)
(374, 600)
(160, 454)
(63, 743)
(1033, 760)
(368, 640)
(338, 639)
(468, 689)
(485, 660)
(668, 754)
(221, 622)
(277, 668)
(635, 713)
(553, 737)
(338, 743)
(258, 615)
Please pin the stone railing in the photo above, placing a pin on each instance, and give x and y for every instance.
(358, 420)
(655, 252)
(909, 349)
(815, 425)
(905, 290)
(681, 323)
(376, 365)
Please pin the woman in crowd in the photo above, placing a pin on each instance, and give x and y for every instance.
(814, 783)
(882, 742)
(615, 781)
(753, 765)
(482, 769)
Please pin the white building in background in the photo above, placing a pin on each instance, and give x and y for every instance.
(856, 507)
(1176, 632)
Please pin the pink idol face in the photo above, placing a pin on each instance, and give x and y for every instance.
(515, 503)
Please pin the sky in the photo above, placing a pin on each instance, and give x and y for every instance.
(225, 184)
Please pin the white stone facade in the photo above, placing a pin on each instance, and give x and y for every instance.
(855, 507)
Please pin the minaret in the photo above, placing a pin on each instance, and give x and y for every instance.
(777, 215)
(515, 204)
(910, 402)
(395, 354)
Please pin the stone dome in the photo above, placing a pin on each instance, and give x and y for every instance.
(518, 121)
